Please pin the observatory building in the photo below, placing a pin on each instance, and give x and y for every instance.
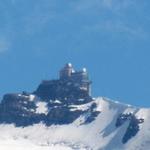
(79, 78)
(71, 85)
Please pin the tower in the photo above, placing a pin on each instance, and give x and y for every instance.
(66, 71)
(86, 83)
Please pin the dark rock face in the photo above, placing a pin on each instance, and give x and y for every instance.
(20, 110)
(63, 115)
(91, 114)
(62, 90)
(133, 127)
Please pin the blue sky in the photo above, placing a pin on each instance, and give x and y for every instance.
(109, 37)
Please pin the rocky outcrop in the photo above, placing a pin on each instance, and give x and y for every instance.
(24, 109)
(62, 90)
(133, 126)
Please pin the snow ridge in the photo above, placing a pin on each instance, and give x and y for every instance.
(102, 133)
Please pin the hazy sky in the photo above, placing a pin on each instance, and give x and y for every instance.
(109, 37)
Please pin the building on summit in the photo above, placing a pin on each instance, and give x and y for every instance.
(80, 78)
(71, 85)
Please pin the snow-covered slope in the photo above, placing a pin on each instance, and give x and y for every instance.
(116, 127)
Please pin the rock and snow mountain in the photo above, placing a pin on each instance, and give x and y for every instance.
(115, 127)
(61, 114)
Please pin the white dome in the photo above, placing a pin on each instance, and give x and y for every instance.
(73, 71)
(69, 65)
(84, 70)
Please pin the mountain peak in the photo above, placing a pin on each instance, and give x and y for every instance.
(65, 112)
